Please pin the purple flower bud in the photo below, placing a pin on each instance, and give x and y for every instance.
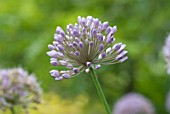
(123, 59)
(114, 29)
(84, 30)
(71, 45)
(66, 76)
(81, 44)
(59, 78)
(94, 32)
(58, 37)
(63, 62)
(77, 40)
(76, 33)
(117, 46)
(97, 67)
(74, 44)
(91, 43)
(54, 63)
(105, 25)
(79, 19)
(76, 70)
(100, 37)
(121, 55)
(109, 40)
(96, 22)
(61, 48)
(103, 55)
(54, 73)
(89, 64)
(63, 34)
(108, 30)
(52, 54)
(51, 47)
(121, 48)
(77, 53)
(59, 30)
(83, 21)
(108, 50)
(101, 47)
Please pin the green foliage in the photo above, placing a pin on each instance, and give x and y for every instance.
(27, 27)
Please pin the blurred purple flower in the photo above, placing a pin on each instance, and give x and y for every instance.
(168, 102)
(88, 43)
(133, 103)
(166, 51)
(17, 87)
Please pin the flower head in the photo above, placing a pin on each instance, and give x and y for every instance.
(17, 87)
(168, 102)
(166, 51)
(86, 44)
(133, 103)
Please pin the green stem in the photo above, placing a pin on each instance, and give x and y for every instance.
(12, 110)
(99, 89)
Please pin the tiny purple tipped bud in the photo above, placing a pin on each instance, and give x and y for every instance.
(103, 54)
(51, 47)
(108, 30)
(77, 53)
(97, 67)
(101, 47)
(76, 70)
(123, 59)
(71, 45)
(94, 32)
(117, 46)
(81, 44)
(75, 33)
(88, 64)
(100, 37)
(54, 63)
(60, 47)
(59, 78)
(66, 76)
(54, 73)
(91, 43)
(74, 44)
(52, 54)
(121, 55)
(105, 25)
(77, 40)
(96, 22)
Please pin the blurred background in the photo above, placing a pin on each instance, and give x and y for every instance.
(27, 27)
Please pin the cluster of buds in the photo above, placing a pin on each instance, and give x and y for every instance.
(18, 88)
(133, 103)
(166, 51)
(86, 44)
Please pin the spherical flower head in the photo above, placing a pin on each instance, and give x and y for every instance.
(168, 102)
(133, 103)
(86, 44)
(166, 52)
(17, 87)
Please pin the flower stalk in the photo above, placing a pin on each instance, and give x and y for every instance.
(12, 110)
(100, 92)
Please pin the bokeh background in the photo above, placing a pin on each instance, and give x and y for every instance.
(27, 27)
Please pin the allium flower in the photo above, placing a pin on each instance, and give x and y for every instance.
(166, 51)
(133, 103)
(86, 44)
(168, 102)
(17, 87)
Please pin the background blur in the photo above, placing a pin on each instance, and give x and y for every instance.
(27, 27)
